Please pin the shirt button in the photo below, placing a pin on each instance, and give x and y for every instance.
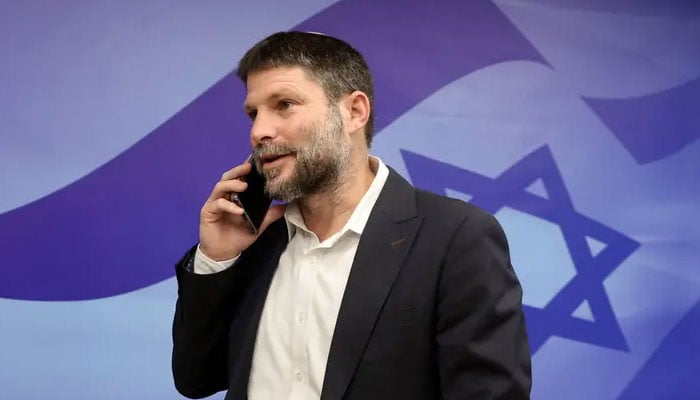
(299, 376)
(313, 259)
(301, 317)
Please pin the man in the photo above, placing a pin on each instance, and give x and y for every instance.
(361, 287)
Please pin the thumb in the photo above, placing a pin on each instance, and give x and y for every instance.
(273, 214)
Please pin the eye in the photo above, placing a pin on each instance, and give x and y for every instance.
(252, 114)
(285, 105)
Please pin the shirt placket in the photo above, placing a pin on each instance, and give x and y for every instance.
(304, 289)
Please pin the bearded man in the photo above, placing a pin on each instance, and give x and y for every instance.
(360, 286)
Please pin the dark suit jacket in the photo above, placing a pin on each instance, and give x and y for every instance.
(432, 309)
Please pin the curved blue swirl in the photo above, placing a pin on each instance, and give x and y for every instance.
(654, 126)
(123, 226)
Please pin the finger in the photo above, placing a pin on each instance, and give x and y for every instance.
(222, 206)
(273, 214)
(225, 188)
(237, 171)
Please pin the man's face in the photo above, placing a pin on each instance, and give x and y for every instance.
(299, 140)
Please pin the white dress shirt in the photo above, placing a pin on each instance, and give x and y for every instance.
(301, 308)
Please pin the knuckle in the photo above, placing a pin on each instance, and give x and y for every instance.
(205, 209)
(219, 185)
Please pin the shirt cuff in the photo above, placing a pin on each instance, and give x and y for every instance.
(204, 265)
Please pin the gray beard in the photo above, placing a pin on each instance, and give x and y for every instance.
(322, 161)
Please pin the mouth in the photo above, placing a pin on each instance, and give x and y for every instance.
(272, 160)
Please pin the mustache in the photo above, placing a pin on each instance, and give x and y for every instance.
(265, 150)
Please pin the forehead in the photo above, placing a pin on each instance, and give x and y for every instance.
(275, 82)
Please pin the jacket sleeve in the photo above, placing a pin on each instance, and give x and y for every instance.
(205, 308)
(483, 350)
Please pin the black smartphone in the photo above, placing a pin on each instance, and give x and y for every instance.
(254, 201)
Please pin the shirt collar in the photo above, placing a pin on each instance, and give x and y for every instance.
(357, 221)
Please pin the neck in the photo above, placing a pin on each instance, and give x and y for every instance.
(325, 213)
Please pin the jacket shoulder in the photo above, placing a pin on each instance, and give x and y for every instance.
(447, 209)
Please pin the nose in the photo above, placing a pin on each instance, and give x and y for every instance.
(263, 130)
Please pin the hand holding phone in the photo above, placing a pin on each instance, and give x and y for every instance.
(235, 213)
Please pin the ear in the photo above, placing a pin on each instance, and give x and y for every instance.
(357, 107)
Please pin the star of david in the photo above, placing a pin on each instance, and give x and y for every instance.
(509, 189)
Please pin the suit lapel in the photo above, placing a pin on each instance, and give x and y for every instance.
(385, 242)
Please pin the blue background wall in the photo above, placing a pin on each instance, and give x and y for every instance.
(575, 122)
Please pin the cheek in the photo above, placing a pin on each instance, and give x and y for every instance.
(292, 133)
